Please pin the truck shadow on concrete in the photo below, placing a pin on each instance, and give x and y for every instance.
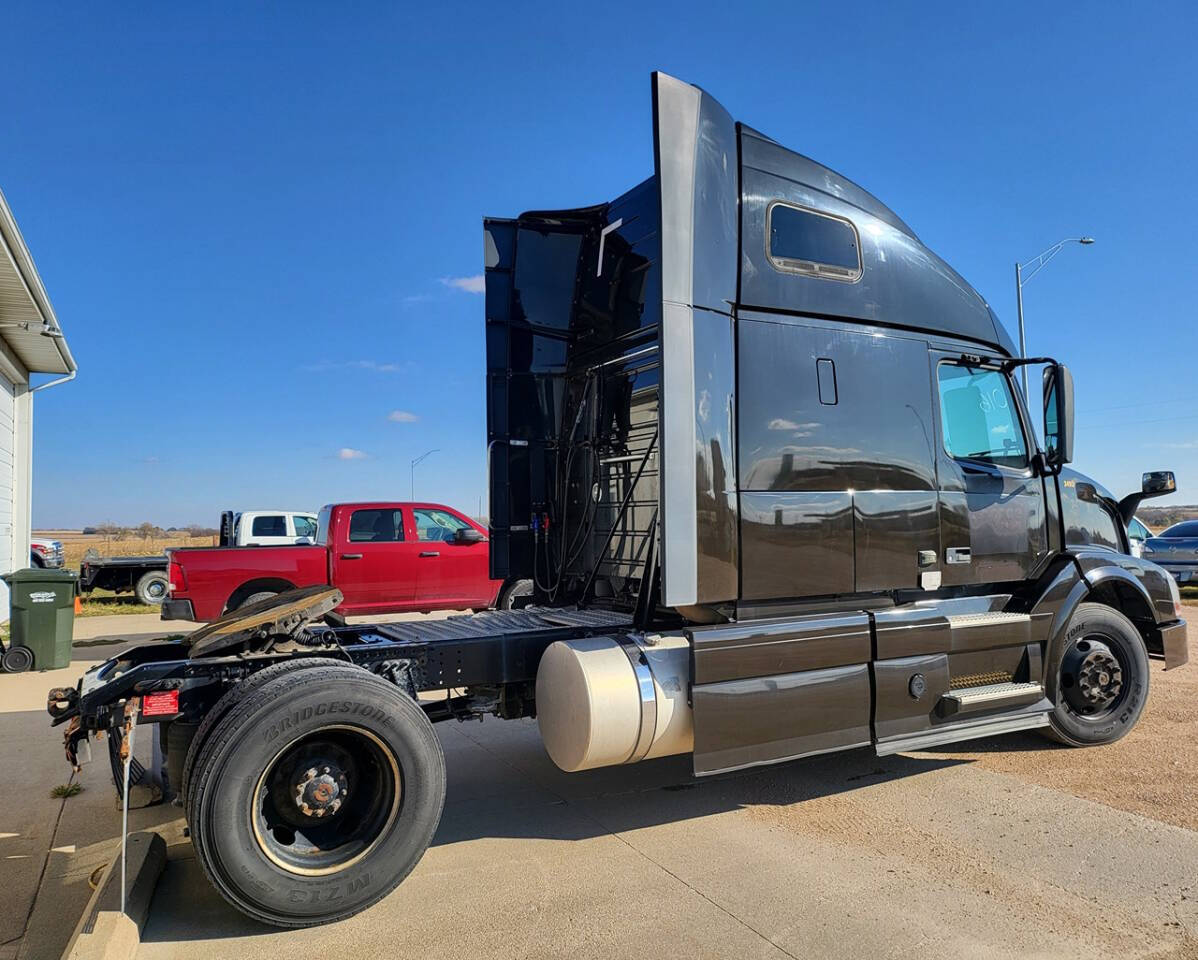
(502, 786)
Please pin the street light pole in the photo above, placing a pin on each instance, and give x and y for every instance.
(1022, 333)
(416, 462)
(1040, 263)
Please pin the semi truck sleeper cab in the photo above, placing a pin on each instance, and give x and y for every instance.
(763, 456)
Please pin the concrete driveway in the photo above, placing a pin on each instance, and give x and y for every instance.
(921, 856)
(1005, 848)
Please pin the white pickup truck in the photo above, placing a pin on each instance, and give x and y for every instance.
(266, 528)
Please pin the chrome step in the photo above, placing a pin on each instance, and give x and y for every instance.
(964, 621)
(984, 631)
(970, 729)
(976, 699)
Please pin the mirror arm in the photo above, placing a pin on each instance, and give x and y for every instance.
(1129, 505)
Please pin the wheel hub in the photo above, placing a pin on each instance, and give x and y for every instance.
(320, 790)
(1092, 677)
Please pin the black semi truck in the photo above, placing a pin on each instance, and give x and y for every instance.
(764, 456)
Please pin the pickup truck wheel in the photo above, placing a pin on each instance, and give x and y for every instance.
(316, 795)
(1102, 678)
(232, 697)
(152, 588)
(255, 597)
(516, 596)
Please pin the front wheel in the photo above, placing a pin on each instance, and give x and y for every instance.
(316, 795)
(1102, 678)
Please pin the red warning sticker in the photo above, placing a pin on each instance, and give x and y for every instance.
(160, 704)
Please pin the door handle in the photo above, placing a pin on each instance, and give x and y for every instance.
(958, 555)
(351, 556)
(430, 553)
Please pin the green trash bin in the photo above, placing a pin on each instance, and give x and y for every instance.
(42, 618)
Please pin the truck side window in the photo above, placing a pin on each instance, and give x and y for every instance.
(811, 242)
(270, 526)
(978, 416)
(1087, 523)
(304, 527)
(436, 525)
(376, 526)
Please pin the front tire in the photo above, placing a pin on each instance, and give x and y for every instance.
(152, 588)
(1102, 678)
(316, 795)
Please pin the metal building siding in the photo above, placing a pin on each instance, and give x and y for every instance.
(7, 488)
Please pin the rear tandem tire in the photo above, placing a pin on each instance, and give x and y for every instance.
(352, 745)
(1102, 678)
(233, 696)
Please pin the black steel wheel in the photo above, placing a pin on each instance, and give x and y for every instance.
(17, 659)
(1102, 678)
(315, 795)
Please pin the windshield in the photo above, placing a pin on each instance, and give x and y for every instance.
(1187, 528)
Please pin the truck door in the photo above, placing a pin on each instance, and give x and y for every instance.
(374, 563)
(992, 512)
(448, 569)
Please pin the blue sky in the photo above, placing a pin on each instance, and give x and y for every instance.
(250, 218)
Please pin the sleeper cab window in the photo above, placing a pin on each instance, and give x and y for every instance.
(979, 417)
(799, 240)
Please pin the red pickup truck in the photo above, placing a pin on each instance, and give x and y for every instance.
(384, 557)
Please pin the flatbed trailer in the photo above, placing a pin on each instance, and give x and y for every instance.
(146, 577)
(765, 459)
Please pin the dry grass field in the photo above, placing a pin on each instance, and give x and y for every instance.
(75, 544)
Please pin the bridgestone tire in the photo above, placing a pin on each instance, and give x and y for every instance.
(233, 696)
(1107, 625)
(516, 595)
(151, 589)
(227, 791)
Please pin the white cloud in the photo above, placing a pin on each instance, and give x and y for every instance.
(349, 453)
(372, 365)
(474, 284)
(1183, 445)
(402, 416)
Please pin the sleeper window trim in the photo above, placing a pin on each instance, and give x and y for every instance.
(811, 268)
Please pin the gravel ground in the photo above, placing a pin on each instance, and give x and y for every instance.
(1153, 771)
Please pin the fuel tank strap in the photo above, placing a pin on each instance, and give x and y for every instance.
(644, 682)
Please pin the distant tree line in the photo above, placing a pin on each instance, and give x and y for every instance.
(1158, 518)
(113, 532)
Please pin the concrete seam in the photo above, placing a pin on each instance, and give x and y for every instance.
(637, 850)
(41, 877)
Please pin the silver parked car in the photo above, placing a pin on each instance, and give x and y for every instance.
(1137, 533)
(1176, 549)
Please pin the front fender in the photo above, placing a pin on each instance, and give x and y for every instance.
(1137, 588)
(1144, 577)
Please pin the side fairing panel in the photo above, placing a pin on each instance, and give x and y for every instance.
(696, 157)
